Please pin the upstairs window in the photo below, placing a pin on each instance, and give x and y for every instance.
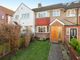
(71, 13)
(42, 14)
(3, 17)
(25, 16)
(56, 12)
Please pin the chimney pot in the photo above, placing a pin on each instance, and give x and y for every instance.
(39, 5)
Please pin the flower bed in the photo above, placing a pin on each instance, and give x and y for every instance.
(73, 49)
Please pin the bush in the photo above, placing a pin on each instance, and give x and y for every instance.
(1, 49)
(78, 48)
(9, 36)
(21, 42)
(25, 39)
(74, 42)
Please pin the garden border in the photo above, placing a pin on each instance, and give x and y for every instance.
(73, 54)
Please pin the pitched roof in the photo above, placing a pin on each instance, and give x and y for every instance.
(66, 22)
(23, 5)
(65, 6)
(49, 7)
(6, 10)
(73, 5)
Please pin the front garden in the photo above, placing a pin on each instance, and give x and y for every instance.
(15, 45)
(38, 50)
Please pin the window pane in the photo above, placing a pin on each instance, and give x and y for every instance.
(42, 14)
(41, 29)
(56, 12)
(75, 32)
(2, 17)
(25, 15)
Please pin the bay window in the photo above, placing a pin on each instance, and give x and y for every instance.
(41, 29)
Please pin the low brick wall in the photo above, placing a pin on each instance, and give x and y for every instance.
(42, 35)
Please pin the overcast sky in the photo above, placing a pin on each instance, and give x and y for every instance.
(13, 4)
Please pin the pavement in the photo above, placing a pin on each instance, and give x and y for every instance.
(58, 52)
(55, 52)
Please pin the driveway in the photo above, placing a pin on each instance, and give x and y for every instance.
(55, 52)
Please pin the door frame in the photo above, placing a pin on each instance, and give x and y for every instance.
(61, 35)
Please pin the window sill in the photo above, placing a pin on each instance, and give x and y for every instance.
(43, 17)
(56, 16)
(42, 32)
(71, 16)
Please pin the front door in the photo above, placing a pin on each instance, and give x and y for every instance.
(73, 33)
(56, 33)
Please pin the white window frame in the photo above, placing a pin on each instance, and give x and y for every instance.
(56, 12)
(37, 29)
(67, 31)
(79, 11)
(74, 28)
(43, 13)
(26, 16)
(2, 17)
(71, 13)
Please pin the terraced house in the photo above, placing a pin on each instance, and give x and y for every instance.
(58, 22)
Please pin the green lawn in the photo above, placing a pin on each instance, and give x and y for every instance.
(38, 50)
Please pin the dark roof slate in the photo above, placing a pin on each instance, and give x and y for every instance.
(56, 6)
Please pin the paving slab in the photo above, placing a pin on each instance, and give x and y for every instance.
(55, 52)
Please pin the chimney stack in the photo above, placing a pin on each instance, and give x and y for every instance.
(39, 5)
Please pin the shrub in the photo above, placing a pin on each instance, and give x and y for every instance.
(9, 34)
(1, 49)
(74, 42)
(21, 42)
(25, 39)
(78, 48)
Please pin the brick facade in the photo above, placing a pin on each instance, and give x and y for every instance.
(67, 37)
(43, 35)
(70, 21)
(79, 20)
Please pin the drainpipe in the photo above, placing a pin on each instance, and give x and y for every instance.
(77, 15)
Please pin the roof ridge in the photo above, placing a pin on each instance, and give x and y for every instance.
(56, 6)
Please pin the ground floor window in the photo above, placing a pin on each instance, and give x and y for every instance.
(73, 33)
(41, 28)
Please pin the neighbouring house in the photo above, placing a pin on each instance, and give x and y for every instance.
(5, 15)
(58, 22)
(24, 16)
